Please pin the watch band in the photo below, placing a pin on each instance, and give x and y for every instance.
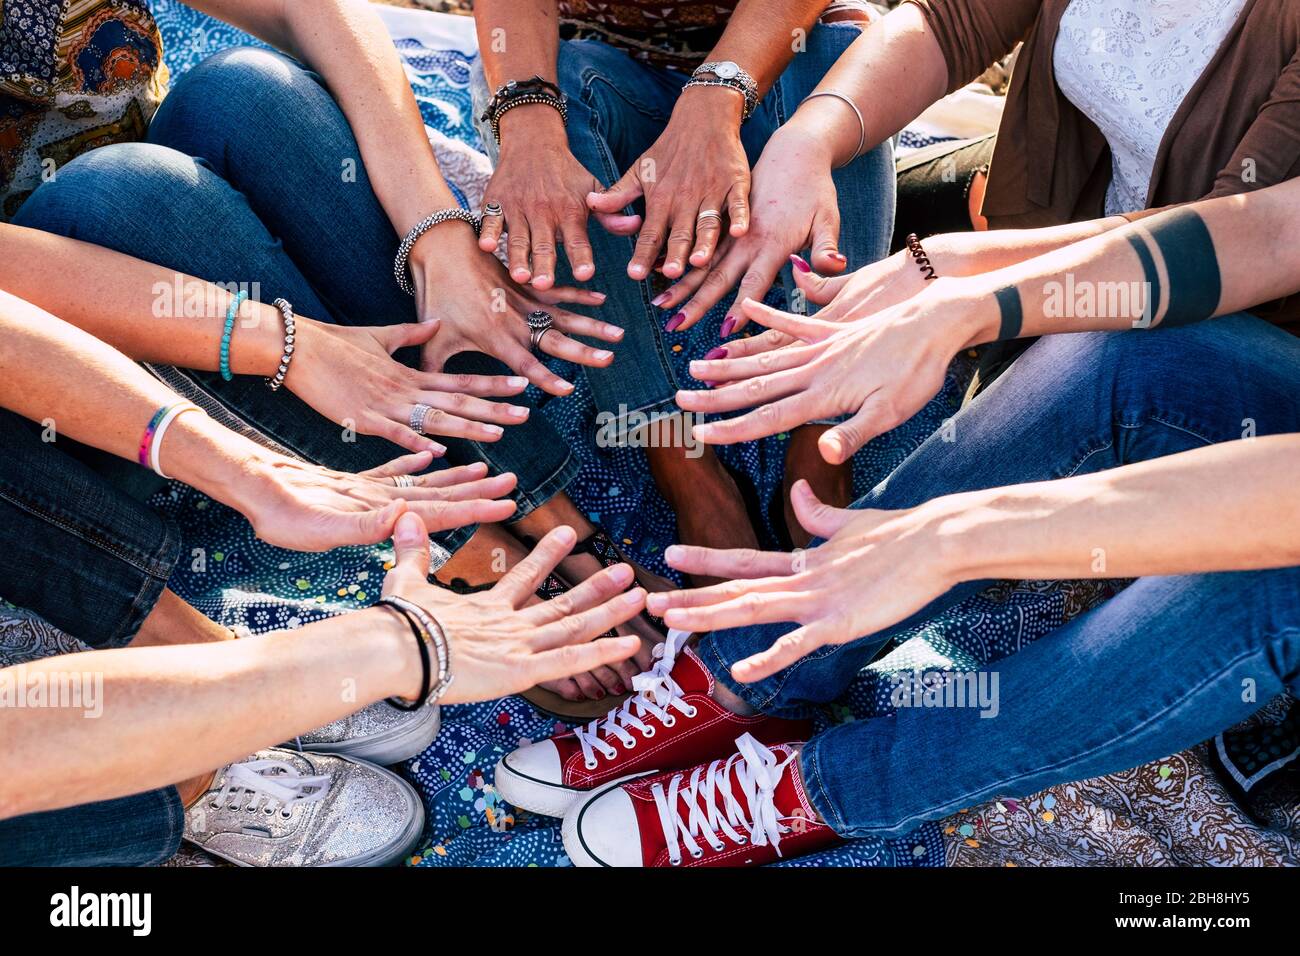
(730, 74)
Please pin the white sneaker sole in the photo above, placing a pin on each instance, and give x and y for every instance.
(408, 739)
(529, 793)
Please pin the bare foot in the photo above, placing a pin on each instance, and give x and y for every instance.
(710, 510)
(833, 484)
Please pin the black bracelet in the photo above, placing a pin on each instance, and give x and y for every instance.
(426, 666)
(922, 260)
(523, 93)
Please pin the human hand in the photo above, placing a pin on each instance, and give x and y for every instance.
(697, 164)
(875, 569)
(501, 645)
(348, 374)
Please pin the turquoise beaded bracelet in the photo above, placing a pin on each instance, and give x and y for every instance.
(229, 330)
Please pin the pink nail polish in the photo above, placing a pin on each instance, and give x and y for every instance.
(675, 321)
(798, 262)
(659, 299)
(717, 353)
(728, 326)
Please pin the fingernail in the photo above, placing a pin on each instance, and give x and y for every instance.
(619, 690)
(600, 694)
(517, 411)
(541, 278)
(495, 430)
(602, 354)
(636, 271)
(438, 450)
(517, 382)
(727, 326)
(599, 295)
(673, 553)
(659, 300)
(838, 257)
(708, 384)
(614, 332)
(407, 531)
(717, 353)
(675, 321)
(798, 262)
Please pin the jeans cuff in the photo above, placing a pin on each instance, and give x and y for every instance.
(760, 695)
(614, 428)
(815, 788)
(530, 499)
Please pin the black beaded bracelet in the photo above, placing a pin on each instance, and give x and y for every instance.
(524, 93)
(922, 260)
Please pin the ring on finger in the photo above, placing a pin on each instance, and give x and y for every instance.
(539, 323)
(403, 481)
(708, 214)
(416, 421)
(492, 209)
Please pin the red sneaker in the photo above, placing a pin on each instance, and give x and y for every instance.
(747, 810)
(672, 722)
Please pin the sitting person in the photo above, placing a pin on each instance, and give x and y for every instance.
(1099, 455)
(123, 788)
(259, 174)
(670, 103)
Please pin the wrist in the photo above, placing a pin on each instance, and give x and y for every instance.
(802, 147)
(432, 260)
(530, 125)
(711, 105)
(966, 309)
(209, 457)
(401, 655)
(257, 341)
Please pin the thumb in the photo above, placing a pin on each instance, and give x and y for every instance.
(816, 517)
(826, 255)
(840, 443)
(618, 196)
(406, 334)
(818, 289)
(410, 549)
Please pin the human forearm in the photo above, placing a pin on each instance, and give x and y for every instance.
(1161, 517)
(170, 713)
(520, 39)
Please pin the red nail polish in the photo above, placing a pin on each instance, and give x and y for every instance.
(717, 353)
(675, 321)
(798, 262)
(619, 690)
(728, 326)
(600, 695)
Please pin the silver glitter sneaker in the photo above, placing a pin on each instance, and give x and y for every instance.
(283, 808)
(379, 734)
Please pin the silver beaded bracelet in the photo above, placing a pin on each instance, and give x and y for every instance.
(401, 265)
(432, 634)
(286, 312)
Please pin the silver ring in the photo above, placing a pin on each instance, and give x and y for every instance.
(492, 209)
(709, 214)
(416, 421)
(535, 339)
(404, 481)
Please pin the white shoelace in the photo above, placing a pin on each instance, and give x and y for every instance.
(657, 695)
(756, 770)
(268, 785)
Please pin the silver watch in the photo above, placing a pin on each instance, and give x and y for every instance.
(733, 75)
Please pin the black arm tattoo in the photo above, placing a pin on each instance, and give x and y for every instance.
(1013, 313)
(1195, 285)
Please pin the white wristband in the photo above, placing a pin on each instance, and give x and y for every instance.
(172, 414)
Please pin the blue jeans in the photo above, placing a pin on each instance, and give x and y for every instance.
(618, 108)
(242, 181)
(1156, 669)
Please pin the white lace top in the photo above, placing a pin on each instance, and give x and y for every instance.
(1127, 65)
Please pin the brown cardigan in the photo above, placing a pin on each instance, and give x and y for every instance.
(1238, 128)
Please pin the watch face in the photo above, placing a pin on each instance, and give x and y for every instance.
(726, 71)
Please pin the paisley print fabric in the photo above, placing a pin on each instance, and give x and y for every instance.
(74, 74)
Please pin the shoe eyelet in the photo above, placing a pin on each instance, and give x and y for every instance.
(630, 746)
(697, 853)
(591, 764)
(286, 814)
(676, 862)
(692, 713)
(268, 811)
(648, 733)
(742, 841)
(214, 805)
(669, 721)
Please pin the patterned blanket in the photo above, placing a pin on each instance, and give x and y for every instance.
(1182, 810)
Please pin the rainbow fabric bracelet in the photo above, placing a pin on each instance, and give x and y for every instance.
(154, 431)
(227, 331)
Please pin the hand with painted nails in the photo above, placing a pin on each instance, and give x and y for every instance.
(502, 644)
(880, 369)
(875, 569)
(348, 374)
(295, 504)
(694, 179)
(480, 309)
(795, 209)
(542, 191)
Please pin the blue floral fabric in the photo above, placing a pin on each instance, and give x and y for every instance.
(239, 580)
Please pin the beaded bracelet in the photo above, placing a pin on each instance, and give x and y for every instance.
(922, 260)
(151, 440)
(286, 312)
(231, 312)
(401, 270)
(427, 631)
